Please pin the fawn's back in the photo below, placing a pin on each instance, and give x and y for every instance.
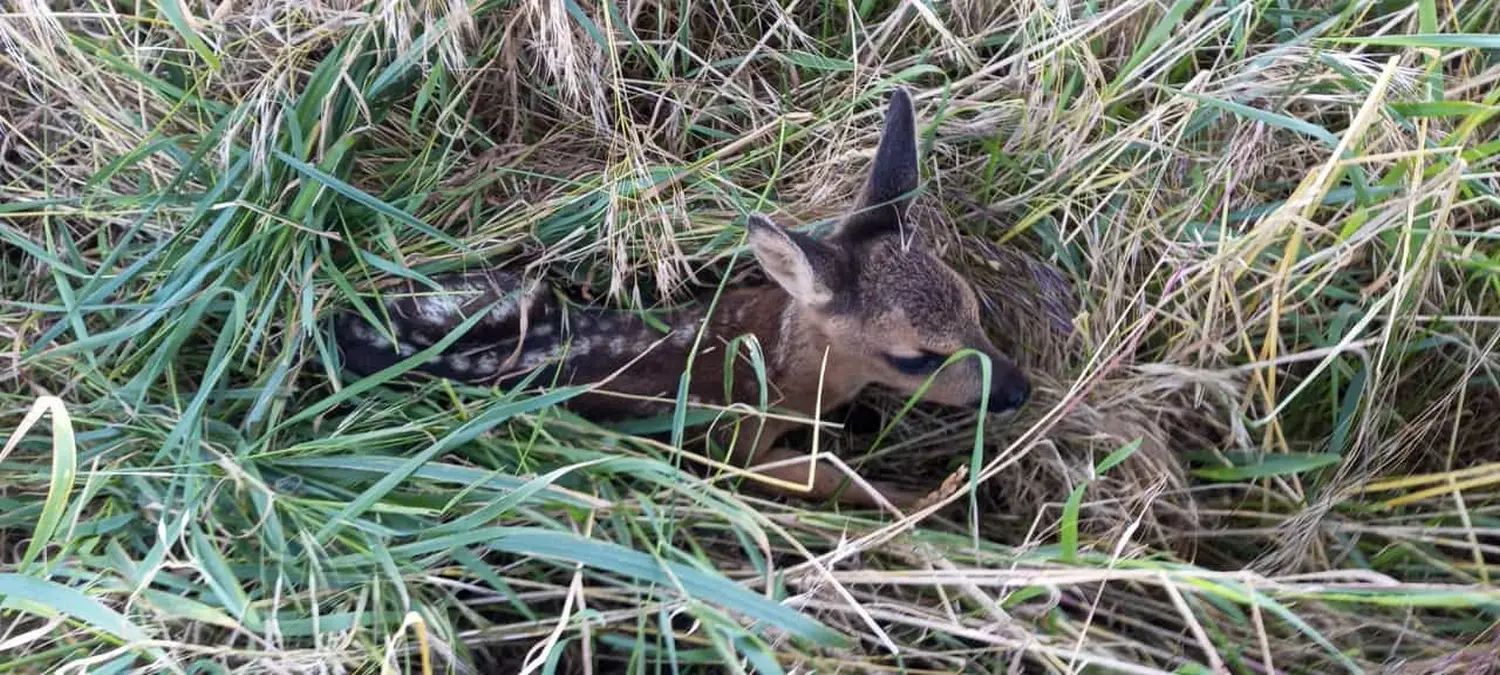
(637, 363)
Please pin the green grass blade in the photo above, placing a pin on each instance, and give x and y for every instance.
(619, 560)
(1118, 456)
(1067, 537)
(47, 598)
(356, 195)
(173, 9)
(488, 420)
(1274, 119)
(1271, 465)
(1425, 41)
(62, 477)
(1159, 34)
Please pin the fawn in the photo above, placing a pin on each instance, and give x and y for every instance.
(867, 305)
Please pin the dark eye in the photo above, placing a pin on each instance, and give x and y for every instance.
(923, 364)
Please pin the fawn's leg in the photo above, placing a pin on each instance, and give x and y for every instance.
(793, 467)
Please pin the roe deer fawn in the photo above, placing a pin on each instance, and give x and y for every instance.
(884, 310)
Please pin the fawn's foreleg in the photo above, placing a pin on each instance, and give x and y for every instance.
(805, 480)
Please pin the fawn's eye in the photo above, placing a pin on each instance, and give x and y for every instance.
(922, 364)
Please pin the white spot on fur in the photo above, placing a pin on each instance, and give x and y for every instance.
(617, 345)
(407, 350)
(437, 308)
(359, 330)
(368, 335)
(502, 312)
(683, 335)
(542, 330)
(533, 358)
(487, 363)
(459, 362)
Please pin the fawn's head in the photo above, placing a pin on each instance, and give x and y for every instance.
(882, 299)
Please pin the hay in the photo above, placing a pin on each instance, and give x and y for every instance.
(1264, 255)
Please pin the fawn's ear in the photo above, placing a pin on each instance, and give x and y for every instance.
(893, 178)
(805, 267)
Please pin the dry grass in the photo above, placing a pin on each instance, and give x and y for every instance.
(1248, 248)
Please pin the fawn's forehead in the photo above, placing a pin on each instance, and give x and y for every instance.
(912, 282)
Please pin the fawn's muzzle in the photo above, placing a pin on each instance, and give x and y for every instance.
(1009, 387)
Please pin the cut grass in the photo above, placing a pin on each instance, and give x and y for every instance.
(1263, 337)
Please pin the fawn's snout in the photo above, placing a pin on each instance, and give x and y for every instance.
(1009, 387)
(962, 383)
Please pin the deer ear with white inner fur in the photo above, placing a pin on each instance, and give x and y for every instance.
(802, 265)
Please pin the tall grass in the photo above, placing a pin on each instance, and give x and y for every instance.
(1250, 250)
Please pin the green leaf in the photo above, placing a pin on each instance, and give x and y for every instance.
(713, 588)
(64, 470)
(1159, 34)
(1115, 458)
(218, 364)
(175, 16)
(1247, 595)
(493, 511)
(220, 578)
(434, 471)
(361, 197)
(407, 61)
(49, 598)
(587, 23)
(180, 607)
(1443, 109)
(1067, 538)
(758, 655)
(1427, 40)
(1271, 465)
(1273, 119)
(1427, 20)
(470, 430)
(812, 61)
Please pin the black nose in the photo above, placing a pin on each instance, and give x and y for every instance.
(1009, 390)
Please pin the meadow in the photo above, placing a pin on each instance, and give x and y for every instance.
(1248, 249)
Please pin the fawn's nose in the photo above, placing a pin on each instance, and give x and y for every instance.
(1009, 389)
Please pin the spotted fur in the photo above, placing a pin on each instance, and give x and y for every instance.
(569, 345)
(856, 309)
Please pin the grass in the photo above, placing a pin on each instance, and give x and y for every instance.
(1248, 248)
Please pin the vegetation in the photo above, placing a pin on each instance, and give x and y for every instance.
(1250, 250)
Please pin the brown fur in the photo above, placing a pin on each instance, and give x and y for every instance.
(841, 315)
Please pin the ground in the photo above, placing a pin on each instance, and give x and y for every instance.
(1248, 249)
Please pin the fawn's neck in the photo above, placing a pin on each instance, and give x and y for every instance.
(801, 359)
